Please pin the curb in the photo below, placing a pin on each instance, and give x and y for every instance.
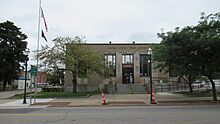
(188, 102)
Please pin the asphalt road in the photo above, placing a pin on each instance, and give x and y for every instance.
(206, 114)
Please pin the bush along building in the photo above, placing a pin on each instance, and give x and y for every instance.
(129, 69)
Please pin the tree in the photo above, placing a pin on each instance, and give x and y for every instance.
(74, 55)
(12, 46)
(207, 54)
(174, 54)
(55, 76)
(193, 50)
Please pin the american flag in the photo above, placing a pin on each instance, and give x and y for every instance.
(42, 15)
(42, 34)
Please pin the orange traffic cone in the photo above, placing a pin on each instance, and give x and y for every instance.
(153, 97)
(104, 102)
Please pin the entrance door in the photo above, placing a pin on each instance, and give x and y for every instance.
(127, 74)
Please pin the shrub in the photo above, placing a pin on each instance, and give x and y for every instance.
(53, 89)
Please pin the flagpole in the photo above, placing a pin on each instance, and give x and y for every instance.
(38, 40)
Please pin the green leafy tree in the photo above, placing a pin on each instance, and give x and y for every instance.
(207, 54)
(55, 76)
(12, 46)
(175, 54)
(192, 51)
(74, 55)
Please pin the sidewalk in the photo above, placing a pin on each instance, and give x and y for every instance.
(162, 99)
(7, 94)
(18, 103)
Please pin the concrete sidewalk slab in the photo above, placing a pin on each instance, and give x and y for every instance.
(167, 94)
(187, 102)
(18, 103)
(80, 102)
(96, 100)
(7, 94)
(2, 101)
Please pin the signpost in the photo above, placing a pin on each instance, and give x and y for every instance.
(34, 73)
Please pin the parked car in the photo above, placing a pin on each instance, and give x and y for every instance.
(199, 83)
(217, 82)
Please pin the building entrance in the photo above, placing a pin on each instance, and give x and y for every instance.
(127, 74)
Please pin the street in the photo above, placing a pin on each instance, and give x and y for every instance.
(202, 114)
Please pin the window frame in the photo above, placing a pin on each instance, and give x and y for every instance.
(144, 66)
(126, 57)
(112, 64)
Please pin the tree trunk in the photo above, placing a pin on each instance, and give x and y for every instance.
(190, 87)
(4, 85)
(213, 90)
(190, 79)
(3, 82)
(74, 82)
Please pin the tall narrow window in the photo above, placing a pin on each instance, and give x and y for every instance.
(110, 63)
(143, 65)
(127, 59)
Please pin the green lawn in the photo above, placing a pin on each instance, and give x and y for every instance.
(204, 93)
(58, 95)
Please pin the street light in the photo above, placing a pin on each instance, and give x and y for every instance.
(26, 53)
(149, 52)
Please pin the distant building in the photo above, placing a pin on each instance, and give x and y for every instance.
(20, 83)
(41, 77)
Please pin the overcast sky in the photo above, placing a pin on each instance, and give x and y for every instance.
(105, 20)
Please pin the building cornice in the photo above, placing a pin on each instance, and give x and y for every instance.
(121, 43)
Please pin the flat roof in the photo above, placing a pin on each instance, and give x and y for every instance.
(121, 43)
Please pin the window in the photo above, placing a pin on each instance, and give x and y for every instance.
(127, 59)
(110, 63)
(144, 65)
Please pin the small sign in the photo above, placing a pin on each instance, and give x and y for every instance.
(33, 70)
